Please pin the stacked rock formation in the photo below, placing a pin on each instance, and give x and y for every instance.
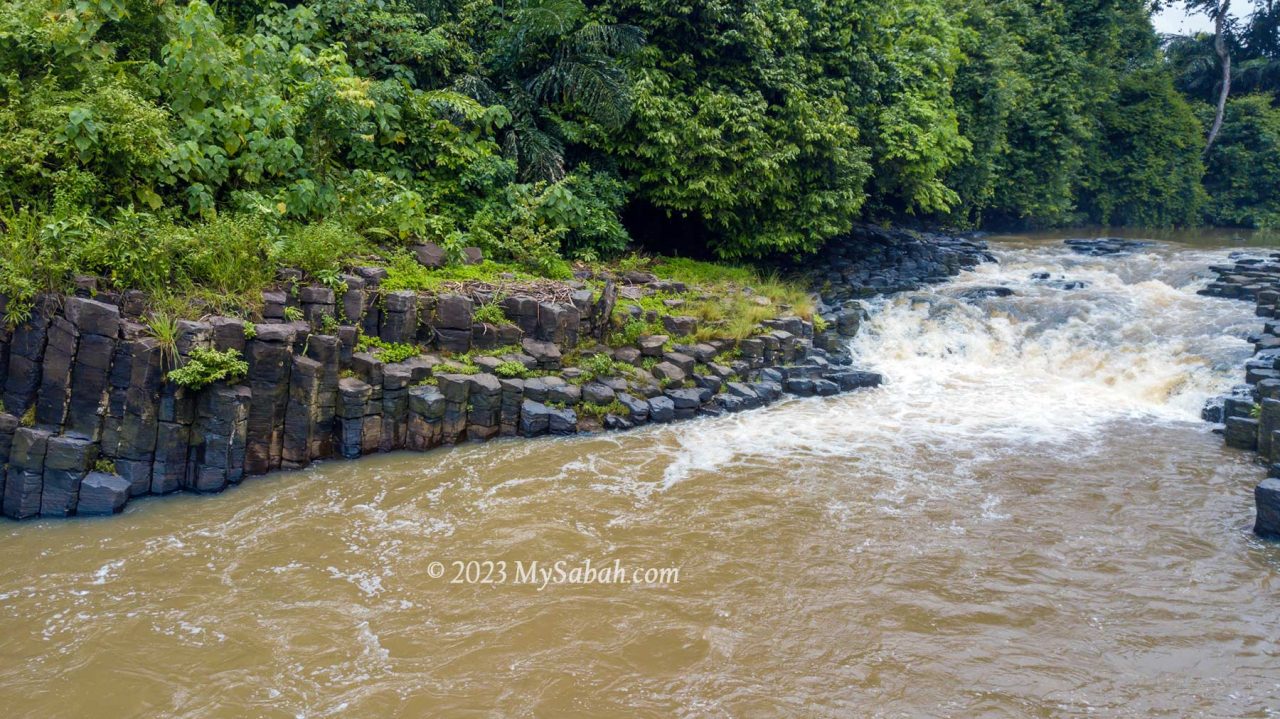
(1251, 413)
(90, 419)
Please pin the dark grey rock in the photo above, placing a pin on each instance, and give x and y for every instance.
(454, 312)
(102, 494)
(1266, 498)
(668, 372)
(1242, 433)
(662, 410)
(25, 477)
(598, 393)
(652, 346)
(429, 254)
(562, 421)
(546, 354)
(535, 418)
(92, 316)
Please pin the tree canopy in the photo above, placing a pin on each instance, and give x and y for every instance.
(134, 131)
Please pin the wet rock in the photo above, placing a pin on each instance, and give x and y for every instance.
(637, 409)
(1105, 246)
(1266, 498)
(26, 473)
(801, 386)
(686, 401)
(66, 462)
(1242, 433)
(825, 388)
(853, 379)
(535, 418)
(662, 410)
(102, 494)
(982, 293)
(562, 421)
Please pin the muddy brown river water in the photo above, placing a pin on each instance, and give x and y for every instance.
(1027, 521)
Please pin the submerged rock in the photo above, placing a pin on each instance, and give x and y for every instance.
(982, 293)
(1104, 246)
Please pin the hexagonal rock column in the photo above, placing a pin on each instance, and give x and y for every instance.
(67, 460)
(102, 494)
(99, 327)
(26, 356)
(353, 397)
(270, 357)
(1266, 497)
(218, 438)
(453, 323)
(456, 389)
(426, 418)
(25, 477)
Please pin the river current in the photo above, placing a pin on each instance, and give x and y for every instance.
(1027, 520)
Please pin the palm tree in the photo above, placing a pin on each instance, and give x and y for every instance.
(548, 60)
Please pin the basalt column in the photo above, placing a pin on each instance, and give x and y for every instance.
(270, 358)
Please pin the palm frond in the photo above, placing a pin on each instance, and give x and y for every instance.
(596, 85)
(613, 40)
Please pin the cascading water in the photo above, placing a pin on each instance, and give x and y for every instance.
(1028, 519)
(1080, 343)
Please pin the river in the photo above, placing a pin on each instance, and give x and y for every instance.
(1028, 520)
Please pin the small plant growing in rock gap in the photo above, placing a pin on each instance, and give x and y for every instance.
(205, 366)
(105, 465)
(511, 370)
(388, 352)
(250, 330)
(164, 327)
(293, 314)
(490, 314)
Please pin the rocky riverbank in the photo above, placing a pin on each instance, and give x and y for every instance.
(1250, 414)
(92, 418)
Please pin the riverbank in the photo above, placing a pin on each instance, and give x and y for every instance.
(95, 413)
(1251, 413)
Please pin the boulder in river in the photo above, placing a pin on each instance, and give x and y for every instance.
(1104, 246)
(1266, 497)
(982, 293)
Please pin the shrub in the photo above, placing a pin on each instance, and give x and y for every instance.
(204, 367)
(388, 352)
(511, 370)
(490, 313)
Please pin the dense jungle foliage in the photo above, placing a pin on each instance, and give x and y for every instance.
(189, 145)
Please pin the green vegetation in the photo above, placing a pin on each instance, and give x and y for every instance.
(511, 370)
(205, 366)
(600, 365)
(490, 313)
(164, 329)
(191, 149)
(387, 352)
